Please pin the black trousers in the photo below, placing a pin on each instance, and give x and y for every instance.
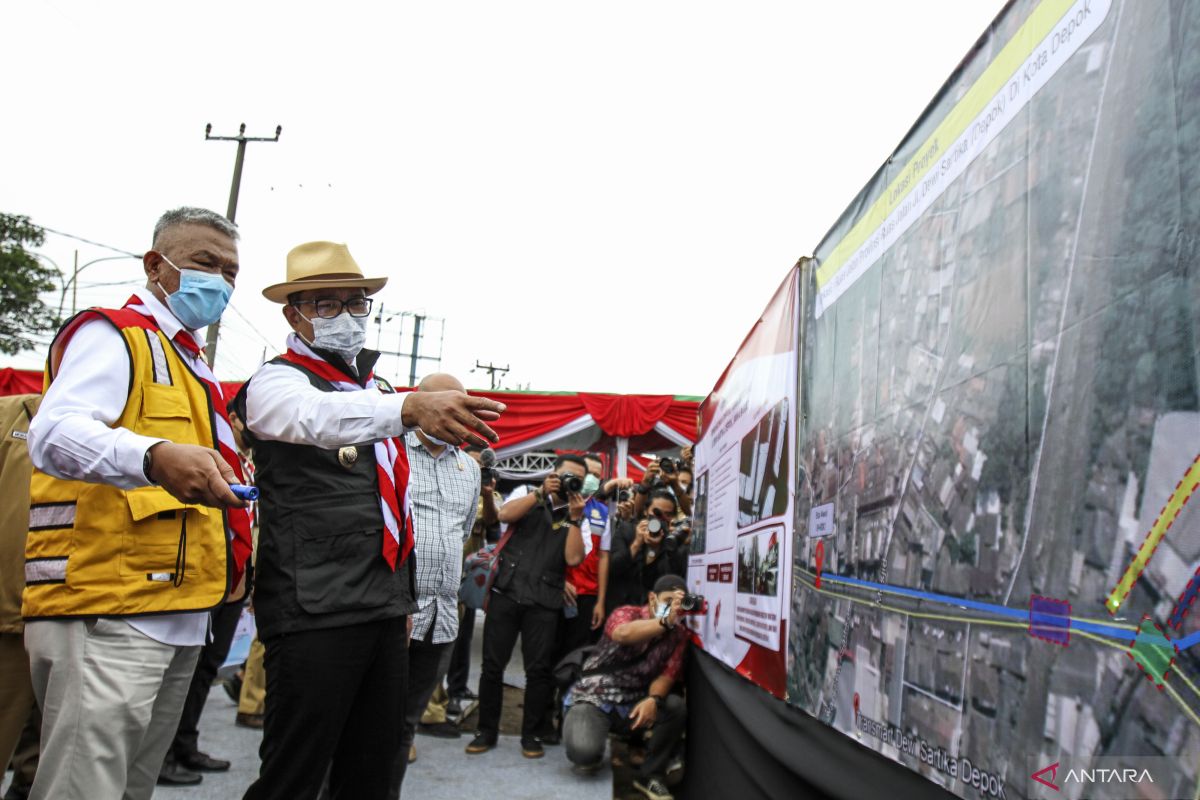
(459, 676)
(577, 631)
(537, 627)
(427, 663)
(212, 656)
(335, 702)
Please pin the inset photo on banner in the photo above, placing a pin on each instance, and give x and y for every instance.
(759, 612)
(762, 484)
(700, 514)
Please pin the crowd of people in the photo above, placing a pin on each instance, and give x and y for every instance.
(341, 512)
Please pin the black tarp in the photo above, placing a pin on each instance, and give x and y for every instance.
(743, 743)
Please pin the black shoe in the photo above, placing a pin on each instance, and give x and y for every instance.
(531, 747)
(551, 737)
(482, 743)
(202, 762)
(233, 688)
(172, 774)
(441, 730)
(453, 707)
(466, 694)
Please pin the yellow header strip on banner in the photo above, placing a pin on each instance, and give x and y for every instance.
(992, 81)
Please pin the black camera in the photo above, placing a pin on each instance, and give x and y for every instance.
(487, 466)
(569, 483)
(693, 604)
(669, 466)
(678, 534)
(655, 527)
(623, 495)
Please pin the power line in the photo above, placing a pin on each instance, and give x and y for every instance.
(88, 241)
(243, 317)
(259, 333)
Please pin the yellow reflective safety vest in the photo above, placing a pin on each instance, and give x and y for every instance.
(96, 550)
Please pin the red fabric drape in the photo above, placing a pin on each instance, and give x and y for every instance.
(529, 415)
(626, 414)
(20, 381)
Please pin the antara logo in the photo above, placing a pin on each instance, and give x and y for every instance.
(1053, 770)
(1048, 775)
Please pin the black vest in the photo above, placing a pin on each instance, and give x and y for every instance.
(320, 548)
(533, 561)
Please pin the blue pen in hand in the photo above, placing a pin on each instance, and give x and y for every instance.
(244, 492)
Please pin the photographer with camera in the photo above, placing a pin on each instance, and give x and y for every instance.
(544, 538)
(636, 547)
(672, 474)
(625, 685)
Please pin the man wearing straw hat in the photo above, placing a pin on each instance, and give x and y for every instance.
(335, 581)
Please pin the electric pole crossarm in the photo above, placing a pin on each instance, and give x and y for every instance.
(491, 370)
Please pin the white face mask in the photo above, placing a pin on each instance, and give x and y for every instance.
(344, 335)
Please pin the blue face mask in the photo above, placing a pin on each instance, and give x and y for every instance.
(201, 297)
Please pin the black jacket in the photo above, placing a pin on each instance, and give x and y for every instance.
(320, 550)
(533, 561)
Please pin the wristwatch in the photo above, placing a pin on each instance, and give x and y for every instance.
(147, 463)
(658, 701)
(576, 522)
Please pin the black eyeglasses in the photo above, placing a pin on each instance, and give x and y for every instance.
(329, 307)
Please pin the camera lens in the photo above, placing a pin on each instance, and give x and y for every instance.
(655, 526)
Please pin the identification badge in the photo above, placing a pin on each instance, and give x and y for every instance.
(22, 435)
(347, 456)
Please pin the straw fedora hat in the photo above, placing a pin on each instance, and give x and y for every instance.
(321, 265)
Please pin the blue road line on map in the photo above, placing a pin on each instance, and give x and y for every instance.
(1004, 611)
(1188, 641)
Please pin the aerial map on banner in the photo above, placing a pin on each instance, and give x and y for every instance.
(997, 546)
(742, 521)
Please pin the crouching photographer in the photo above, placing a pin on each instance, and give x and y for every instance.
(625, 685)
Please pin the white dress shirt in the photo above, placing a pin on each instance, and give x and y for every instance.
(74, 437)
(282, 405)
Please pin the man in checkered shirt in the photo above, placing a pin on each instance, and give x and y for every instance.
(443, 489)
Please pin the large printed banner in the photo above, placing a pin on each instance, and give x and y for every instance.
(742, 524)
(996, 557)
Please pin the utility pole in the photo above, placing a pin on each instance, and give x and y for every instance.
(210, 347)
(491, 369)
(416, 349)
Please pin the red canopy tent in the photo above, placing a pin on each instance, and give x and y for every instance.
(615, 423)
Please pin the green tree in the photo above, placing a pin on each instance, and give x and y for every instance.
(23, 279)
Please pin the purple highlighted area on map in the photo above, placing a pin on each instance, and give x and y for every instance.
(1050, 619)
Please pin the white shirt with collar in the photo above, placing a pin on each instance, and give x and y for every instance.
(73, 435)
(443, 494)
(282, 405)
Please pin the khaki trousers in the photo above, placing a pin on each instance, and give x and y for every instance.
(253, 698)
(111, 699)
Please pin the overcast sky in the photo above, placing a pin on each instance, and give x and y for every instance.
(602, 196)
